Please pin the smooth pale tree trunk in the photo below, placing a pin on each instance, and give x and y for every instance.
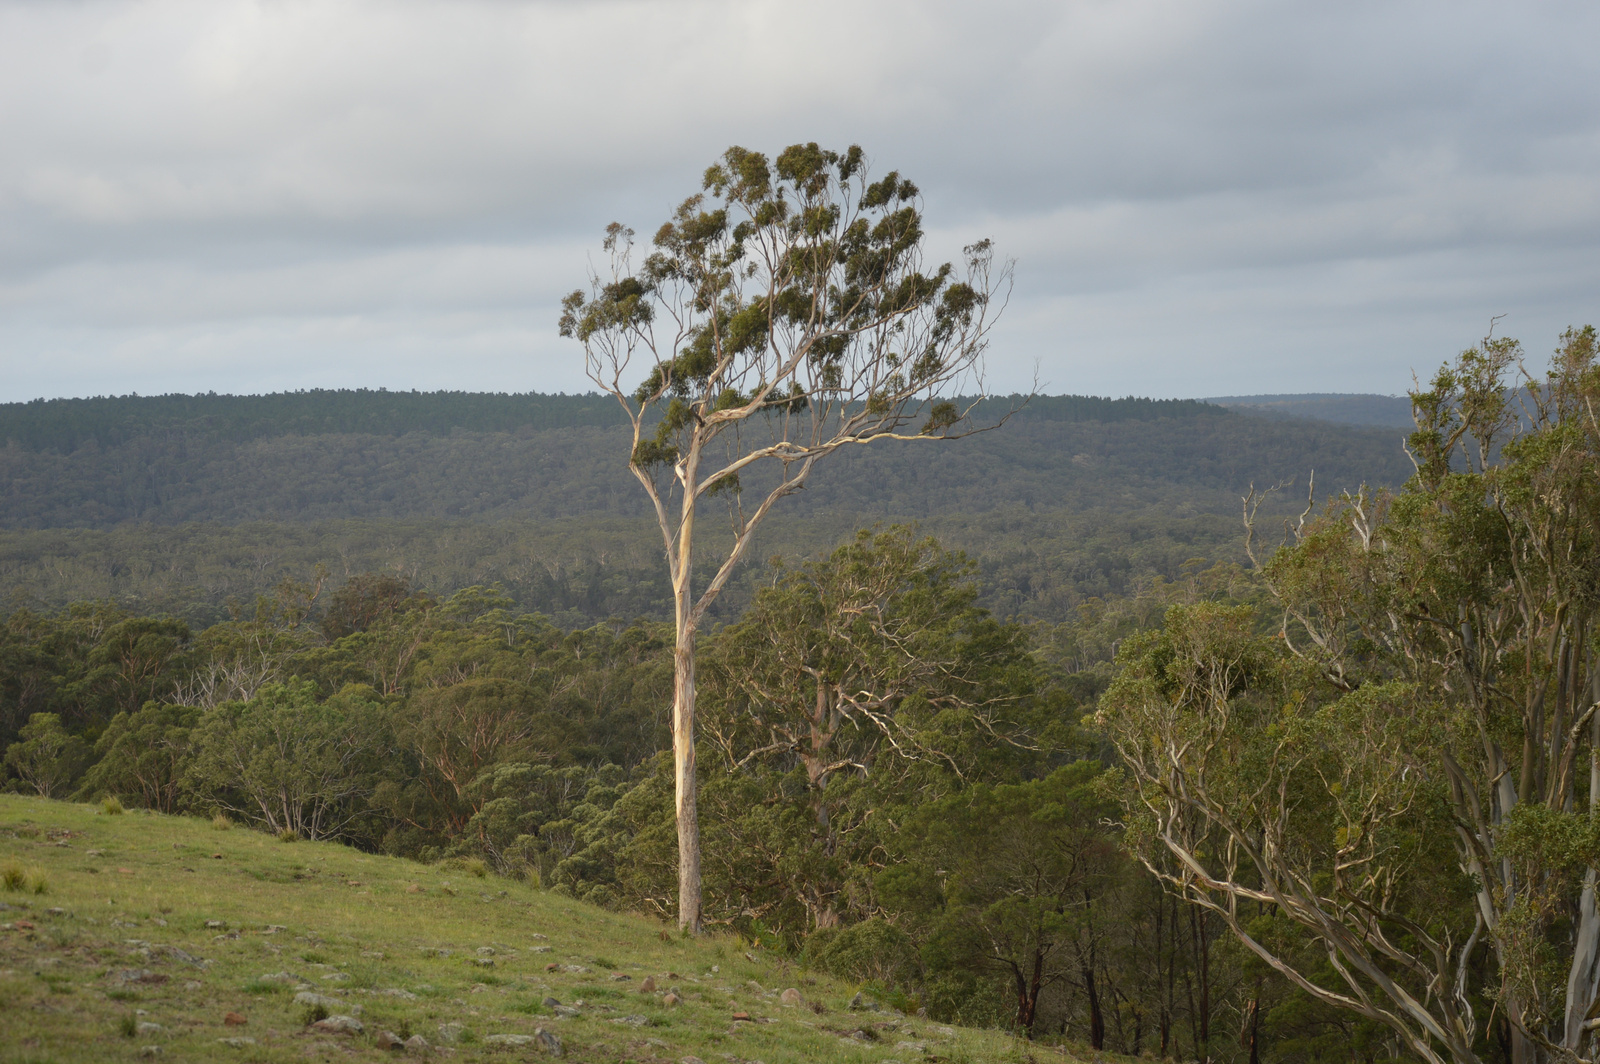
(1583, 981)
(683, 698)
(683, 773)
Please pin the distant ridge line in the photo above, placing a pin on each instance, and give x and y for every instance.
(1345, 408)
(64, 425)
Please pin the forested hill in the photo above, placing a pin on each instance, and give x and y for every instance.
(321, 456)
(1386, 411)
(181, 502)
(62, 426)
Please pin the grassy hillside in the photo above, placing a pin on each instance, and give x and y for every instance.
(121, 932)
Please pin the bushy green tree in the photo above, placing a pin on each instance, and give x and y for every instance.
(143, 757)
(47, 758)
(291, 762)
(1010, 881)
(854, 688)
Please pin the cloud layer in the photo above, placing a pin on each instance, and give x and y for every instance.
(1203, 198)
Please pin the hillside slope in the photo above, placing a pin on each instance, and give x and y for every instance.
(181, 503)
(153, 931)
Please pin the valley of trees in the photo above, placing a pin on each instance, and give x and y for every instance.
(1119, 771)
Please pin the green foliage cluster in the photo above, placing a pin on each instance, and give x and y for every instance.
(1391, 795)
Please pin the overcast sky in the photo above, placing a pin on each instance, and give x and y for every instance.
(1203, 198)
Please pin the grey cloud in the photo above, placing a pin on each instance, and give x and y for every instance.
(1203, 197)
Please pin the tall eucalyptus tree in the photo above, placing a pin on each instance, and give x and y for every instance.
(784, 313)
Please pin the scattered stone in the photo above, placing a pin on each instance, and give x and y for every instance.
(56, 912)
(375, 954)
(756, 987)
(313, 999)
(481, 962)
(648, 985)
(183, 956)
(485, 951)
(273, 929)
(862, 1003)
(227, 936)
(567, 1011)
(149, 1051)
(620, 977)
(508, 1039)
(429, 951)
(633, 1021)
(415, 888)
(550, 1002)
(396, 992)
(417, 1044)
(541, 949)
(671, 999)
(216, 925)
(339, 1025)
(540, 938)
(192, 984)
(450, 1032)
(715, 968)
(234, 1019)
(242, 1042)
(280, 977)
(388, 1040)
(745, 1016)
(146, 1027)
(912, 1047)
(548, 1040)
(336, 977)
(792, 997)
(23, 925)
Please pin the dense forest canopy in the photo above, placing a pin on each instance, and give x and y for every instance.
(183, 502)
(62, 426)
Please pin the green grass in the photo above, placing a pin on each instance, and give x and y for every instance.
(122, 930)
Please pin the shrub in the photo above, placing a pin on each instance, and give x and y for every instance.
(312, 1014)
(128, 1026)
(13, 877)
(111, 805)
(871, 950)
(220, 822)
(288, 835)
